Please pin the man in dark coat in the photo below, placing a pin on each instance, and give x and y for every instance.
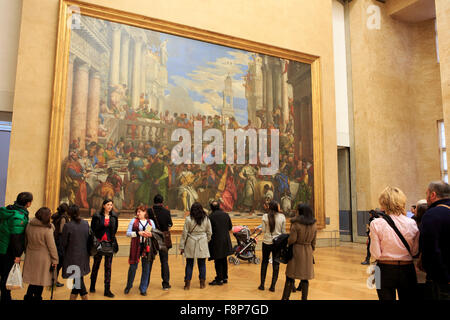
(161, 217)
(220, 245)
(435, 238)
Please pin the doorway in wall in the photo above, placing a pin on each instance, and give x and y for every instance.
(345, 209)
(5, 134)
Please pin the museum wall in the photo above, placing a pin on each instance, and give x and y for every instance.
(304, 26)
(397, 103)
(443, 31)
(9, 42)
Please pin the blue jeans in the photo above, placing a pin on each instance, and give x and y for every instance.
(190, 266)
(145, 277)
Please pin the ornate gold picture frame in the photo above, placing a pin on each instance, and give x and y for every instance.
(114, 89)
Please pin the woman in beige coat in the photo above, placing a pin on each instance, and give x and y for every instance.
(303, 238)
(197, 233)
(40, 254)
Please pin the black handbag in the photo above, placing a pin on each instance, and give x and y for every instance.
(285, 254)
(166, 234)
(283, 251)
(106, 248)
(93, 245)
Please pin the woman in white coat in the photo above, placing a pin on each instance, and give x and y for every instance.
(197, 233)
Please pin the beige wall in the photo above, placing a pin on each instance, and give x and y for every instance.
(10, 12)
(396, 105)
(443, 30)
(304, 26)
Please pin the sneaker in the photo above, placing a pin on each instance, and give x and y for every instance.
(365, 262)
(127, 290)
(225, 281)
(167, 287)
(143, 294)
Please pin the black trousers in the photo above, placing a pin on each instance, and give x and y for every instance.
(368, 249)
(165, 271)
(221, 266)
(82, 291)
(397, 278)
(34, 293)
(268, 249)
(6, 263)
(96, 266)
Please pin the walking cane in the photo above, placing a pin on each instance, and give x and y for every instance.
(52, 270)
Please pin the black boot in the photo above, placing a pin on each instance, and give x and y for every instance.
(305, 286)
(366, 262)
(288, 285)
(263, 275)
(108, 292)
(276, 269)
(28, 297)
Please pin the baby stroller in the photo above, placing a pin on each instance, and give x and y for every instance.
(245, 249)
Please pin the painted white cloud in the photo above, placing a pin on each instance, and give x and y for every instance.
(208, 80)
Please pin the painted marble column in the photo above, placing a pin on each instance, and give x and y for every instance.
(269, 91)
(115, 56)
(284, 96)
(277, 77)
(136, 90)
(68, 110)
(79, 104)
(124, 51)
(143, 70)
(93, 107)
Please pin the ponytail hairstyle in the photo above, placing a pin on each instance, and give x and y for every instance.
(62, 209)
(74, 213)
(273, 209)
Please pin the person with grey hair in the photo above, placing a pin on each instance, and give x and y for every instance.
(435, 239)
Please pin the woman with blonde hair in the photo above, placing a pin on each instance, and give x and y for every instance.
(394, 243)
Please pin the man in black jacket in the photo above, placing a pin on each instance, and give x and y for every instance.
(163, 220)
(435, 238)
(220, 245)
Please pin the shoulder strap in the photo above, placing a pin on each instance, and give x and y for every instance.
(443, 205)
(156, 219)
(399, 234)
(193, 228)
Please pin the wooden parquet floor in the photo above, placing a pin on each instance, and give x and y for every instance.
(339, 275)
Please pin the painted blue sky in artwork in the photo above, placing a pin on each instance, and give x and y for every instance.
(201, 68)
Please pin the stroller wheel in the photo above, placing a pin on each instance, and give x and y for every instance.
(256, 260)
(231, 259)
(236, 261)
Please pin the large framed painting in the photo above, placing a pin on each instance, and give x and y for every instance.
(144, 107)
